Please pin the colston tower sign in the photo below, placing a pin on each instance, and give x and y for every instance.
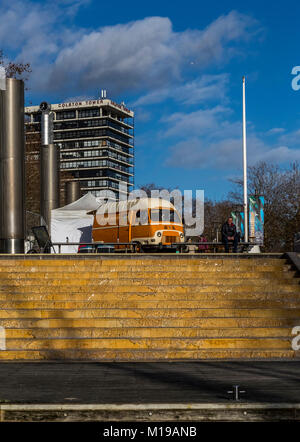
(84, 103)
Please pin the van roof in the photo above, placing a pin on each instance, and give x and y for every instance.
(135, 204)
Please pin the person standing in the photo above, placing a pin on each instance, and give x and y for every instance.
(229, 234)
(202, 247)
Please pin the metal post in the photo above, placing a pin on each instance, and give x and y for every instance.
(245, 164)
(49, 163)
(72, 191)
(12, 167)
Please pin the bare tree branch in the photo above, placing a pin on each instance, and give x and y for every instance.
(15, 70)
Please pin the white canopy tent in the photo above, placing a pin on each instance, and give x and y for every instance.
(72, 224)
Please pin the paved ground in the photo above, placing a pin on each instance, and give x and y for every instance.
(157, 382)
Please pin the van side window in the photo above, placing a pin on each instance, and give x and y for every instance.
(141, 217)
(136, 218)
(165, 215)
(155, 215)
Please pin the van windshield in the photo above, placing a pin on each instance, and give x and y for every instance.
(164, 215)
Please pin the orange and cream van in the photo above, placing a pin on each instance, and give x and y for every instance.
(150, 222)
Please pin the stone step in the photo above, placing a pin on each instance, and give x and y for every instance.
(168, 296)
(148, 272)
(147, 275)
(146, 355)
(148, 343)
(155, 282)
(91, 303)
(108, 287)
(88, 322)
(148, 313)
(141, 265)
(144, 269)
(148, 332)
(148, 308)
(164, 259)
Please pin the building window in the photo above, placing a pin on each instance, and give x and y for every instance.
(64, 115)
(86, 113)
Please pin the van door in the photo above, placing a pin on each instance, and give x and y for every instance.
(123, 227)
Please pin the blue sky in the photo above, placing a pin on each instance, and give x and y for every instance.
(179, 66)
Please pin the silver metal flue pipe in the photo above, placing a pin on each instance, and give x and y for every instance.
(12, 166)
(72, 191)
(49, 164)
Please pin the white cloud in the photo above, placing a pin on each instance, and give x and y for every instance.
(35, 33)
(204, 122)
(226, 154)
(203, 89)
(291, 138)
(31, 27)
(140, 55)
(280, 154)
(145, 53)
(275, 131)
(77, 98)
(211, 139)
(142, 115)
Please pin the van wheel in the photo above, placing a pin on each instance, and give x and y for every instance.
(32, 251)
(138, 247)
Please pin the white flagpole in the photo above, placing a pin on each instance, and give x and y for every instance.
(245, 165)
